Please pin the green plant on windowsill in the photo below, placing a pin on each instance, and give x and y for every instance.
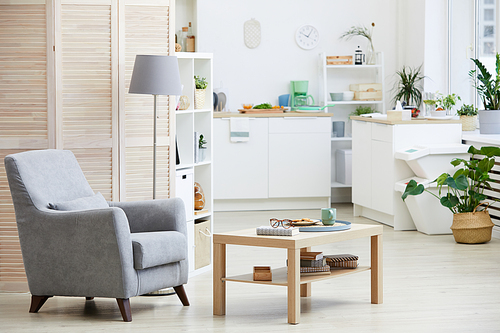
(447, 101)
(467, 110)
(363, 110)
(487, 86)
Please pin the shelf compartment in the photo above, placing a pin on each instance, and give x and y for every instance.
(280, 276)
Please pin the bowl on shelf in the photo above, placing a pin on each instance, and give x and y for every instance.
(336, 96)
(348, 95)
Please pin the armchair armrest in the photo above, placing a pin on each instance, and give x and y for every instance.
(78, 253)
(155, 215)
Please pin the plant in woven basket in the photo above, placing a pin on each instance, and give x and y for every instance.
(467, 110)
(464, 191)
(468, 117)
(199, 94)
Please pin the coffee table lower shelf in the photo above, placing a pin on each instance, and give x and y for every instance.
(280, 276)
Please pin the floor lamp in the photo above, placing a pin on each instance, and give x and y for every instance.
(155, 75)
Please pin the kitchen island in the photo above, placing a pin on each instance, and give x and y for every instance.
(375, 170)
(285, 164)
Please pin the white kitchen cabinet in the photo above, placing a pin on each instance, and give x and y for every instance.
(284, 165)
(241, 168)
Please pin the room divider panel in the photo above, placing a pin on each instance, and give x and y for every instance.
(65, 68)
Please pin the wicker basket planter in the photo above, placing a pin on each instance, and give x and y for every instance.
(468, 123)
(472, 228)
(199, 98)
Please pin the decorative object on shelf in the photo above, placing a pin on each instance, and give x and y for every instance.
(362, 31)
(262, 273)
(307, 37)
(468, 117)
(348, 95)
(408, 87)
(199, 197)
(222, 102)
(337, 96)
(339, 60)
(216, 100)
(359, 57)
(190, 40)
(464, 193)
(342, 261)
(251, 33)
(199, 94)
(183, 38)
(178, 47)
(201, 148)
(184, 102)
(155, 75)
(488, 88)
(447, 102)
(367, 91)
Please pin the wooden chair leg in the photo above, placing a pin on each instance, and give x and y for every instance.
(181, 293)
(37, 302)
(89, 298)
(124, 305)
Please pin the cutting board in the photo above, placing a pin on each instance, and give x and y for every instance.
(261, 110)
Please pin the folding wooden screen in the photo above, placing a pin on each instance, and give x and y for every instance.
(65, 66)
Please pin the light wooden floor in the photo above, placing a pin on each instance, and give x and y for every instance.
(431, 284)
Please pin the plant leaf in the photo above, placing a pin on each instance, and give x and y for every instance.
(412, 188)
(449, 200)
(461, 183)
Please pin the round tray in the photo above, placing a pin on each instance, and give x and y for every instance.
(344, 226)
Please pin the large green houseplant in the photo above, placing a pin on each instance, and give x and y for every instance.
(488, 88)
(463, 193)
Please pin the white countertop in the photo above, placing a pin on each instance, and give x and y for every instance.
(475, 136)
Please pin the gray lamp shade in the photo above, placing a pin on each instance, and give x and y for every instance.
(155, 75)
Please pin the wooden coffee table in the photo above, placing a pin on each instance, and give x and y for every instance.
(290, 276)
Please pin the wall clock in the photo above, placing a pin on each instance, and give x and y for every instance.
(307, 37)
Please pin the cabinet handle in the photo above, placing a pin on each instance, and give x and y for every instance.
(299, 118)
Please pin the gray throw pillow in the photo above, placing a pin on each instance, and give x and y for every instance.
(93, 202)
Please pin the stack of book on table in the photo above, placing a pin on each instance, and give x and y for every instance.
(313, 263)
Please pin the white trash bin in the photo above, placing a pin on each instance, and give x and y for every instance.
(429, 216)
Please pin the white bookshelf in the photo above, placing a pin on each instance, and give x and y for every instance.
(187, 123)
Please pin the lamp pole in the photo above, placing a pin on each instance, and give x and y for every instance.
(154, 150)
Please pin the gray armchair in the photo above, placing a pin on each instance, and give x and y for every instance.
(74, 243)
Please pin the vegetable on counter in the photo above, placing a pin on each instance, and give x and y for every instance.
(263, 106)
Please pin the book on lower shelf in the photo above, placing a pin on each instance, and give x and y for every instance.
(311, 255)
(280, 231)
(336, 261)
(315, 270)
(313, 263)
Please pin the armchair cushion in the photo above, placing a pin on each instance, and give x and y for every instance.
(158, 248)
(93, 202)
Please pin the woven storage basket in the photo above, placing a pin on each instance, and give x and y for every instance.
(199, 98)
(472, 228)
(468, 123)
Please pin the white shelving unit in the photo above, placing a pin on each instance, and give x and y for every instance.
(334, 78)
(200, 224)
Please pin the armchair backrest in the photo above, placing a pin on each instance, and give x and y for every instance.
(39, 177)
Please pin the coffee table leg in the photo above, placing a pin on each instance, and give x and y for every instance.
(219, 272)
(376, 270)
(293, 286)
(305, 288)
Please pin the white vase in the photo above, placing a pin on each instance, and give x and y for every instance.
(199, 98)
(201, 154)
(371, 56)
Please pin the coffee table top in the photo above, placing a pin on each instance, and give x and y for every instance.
(303, 239)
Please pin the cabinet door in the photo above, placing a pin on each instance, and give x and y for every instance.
(361, 163)
(241, 168)
(382, 184)
(299, 165)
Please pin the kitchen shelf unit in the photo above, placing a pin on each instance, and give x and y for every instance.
(363, 74)
(187, 123)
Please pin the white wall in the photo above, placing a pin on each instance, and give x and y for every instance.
(262, 74)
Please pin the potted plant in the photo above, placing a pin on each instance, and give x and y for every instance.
(201, 148)
(363, 31)
(363, 110)
(488, 88)
(408, 88)
(468, 117)
(464, 194)
(199, 96)
(446, 103)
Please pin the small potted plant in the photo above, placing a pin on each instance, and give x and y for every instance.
(363, 110)
(446, 103)
(408, 88)
(488, 88)
(463, 195)
(199, 95)
(201, 148)
(468, 117)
